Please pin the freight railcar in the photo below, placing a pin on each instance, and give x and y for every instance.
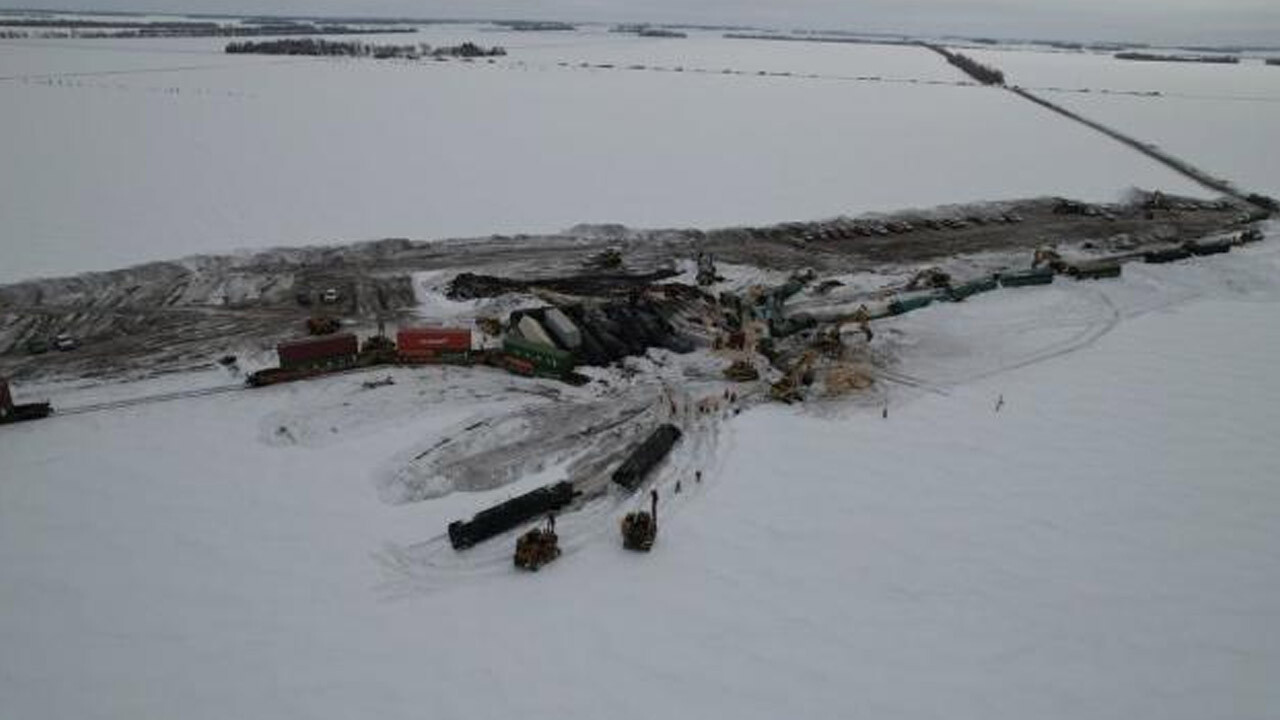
(11, 412)
(329, 352)
(300, 359)
(644, 458)
(505, 516)
(1022, 278)
(431, 345)
(532, 358)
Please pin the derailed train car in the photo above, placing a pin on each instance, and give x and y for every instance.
(632, 472)
(11, 412)
(508, 515)
(433, 344)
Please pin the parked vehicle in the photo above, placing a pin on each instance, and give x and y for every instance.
(65, 342)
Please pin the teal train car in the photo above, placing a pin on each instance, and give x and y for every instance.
(971, 288)
(1021, 278)
(532, 358)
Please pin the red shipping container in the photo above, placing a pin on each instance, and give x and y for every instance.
(430, 342)
(318, 351)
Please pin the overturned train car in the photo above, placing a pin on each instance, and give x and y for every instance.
(505, 516)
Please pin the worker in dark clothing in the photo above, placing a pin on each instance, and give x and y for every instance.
(697, 476)
(551, 522)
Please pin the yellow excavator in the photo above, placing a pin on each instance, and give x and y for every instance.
(640, 528)
(538, 547)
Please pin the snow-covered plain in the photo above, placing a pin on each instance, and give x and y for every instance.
(217, 153)
(1104, 545)
(1221, 118)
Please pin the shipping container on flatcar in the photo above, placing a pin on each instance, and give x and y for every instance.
(433, 344)
(329, 352)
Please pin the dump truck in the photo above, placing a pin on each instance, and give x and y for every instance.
(510, 514)
(633, 471)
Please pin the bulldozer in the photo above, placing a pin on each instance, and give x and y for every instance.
(537, 547)
(640, 528)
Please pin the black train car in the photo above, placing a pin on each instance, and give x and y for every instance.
(636, 467)
(501, 518)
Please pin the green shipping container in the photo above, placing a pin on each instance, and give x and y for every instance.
(546, 360)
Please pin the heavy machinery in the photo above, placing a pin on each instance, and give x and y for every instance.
(788, 389)
(322, 325)
(639, 528)
(538, 547)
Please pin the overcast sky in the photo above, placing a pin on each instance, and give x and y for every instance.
(1172, 21)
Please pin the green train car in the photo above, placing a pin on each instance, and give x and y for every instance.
(536, 358)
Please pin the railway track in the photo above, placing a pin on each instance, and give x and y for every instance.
(150, 399)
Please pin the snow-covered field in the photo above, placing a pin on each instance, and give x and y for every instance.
(1058, 502)
(1222, 118)
(188, 150)
(1103, 545)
